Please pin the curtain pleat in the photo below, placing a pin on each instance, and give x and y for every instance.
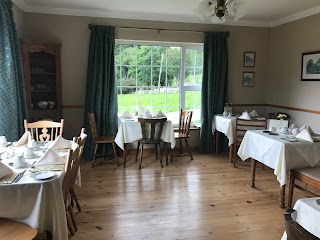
(12, 90)
(214, 85)
(101, 90)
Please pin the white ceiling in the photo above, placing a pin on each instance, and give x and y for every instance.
(264, 13)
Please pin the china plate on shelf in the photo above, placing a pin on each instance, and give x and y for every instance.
(43, 175)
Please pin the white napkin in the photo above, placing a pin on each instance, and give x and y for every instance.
(4, 170)
(26, 137)
(306, 126)
(158, 114)
(245, 115)
(60, 143)
(50, 157)
(254, 114)
(305, 135)
(126, 114)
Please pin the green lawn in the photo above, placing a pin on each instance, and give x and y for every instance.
(158, 101)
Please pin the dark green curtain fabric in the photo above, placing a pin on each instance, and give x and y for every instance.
(214, 85)
(12, 92)
(101, 91)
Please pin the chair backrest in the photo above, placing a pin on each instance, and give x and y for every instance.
(93, 125)
(185, 121)
(81, 141)
(243, 125)
(294, 230)
(72, 158)
(148, 128)
(44, 130)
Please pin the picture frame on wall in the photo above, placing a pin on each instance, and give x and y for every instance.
(249, 59)
(310, 66)
(248, 79)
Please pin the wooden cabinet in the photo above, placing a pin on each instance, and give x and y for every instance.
(42, 74)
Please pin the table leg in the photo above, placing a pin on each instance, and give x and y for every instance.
(253, 172)
(231, 153)
(217, 141)
(282, 195)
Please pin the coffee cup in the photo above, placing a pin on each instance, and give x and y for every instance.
(295, 131)
(3, 140)
(32, 144)
(28, 152)
(19, 162)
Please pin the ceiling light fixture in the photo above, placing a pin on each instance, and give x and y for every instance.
(219, 9)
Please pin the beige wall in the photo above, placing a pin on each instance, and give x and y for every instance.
(285, 88)
(18, 16)
(73, 33)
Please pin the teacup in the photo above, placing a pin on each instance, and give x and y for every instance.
(19, 162)
(28, 152)
(295, 131)
(3, 140)
(283, 129)
(32, 144)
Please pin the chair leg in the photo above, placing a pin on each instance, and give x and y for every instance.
(141, 153)
(234, 153)
(69, 225)
(167, 163)
(124, 156)
(115, 153)
(291, 188)
(72, 218)
(138, 147)
(189, 150)
(160, 155)
(94, 154)
(180, 141)
(75, 198)
(156, 147)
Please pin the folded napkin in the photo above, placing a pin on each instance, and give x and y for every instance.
(4, 170)
(305, 135)
(254, 114)
(158, 114)
(306, 126)
(26, 137)
(50, 157)
(245, 115)
(60, 143)
(126, 114)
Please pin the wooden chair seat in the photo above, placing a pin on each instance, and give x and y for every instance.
(181, 135)
(104, 139)
(12, 230)
(309, 176)
(294, 230)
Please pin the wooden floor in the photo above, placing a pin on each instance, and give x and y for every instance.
(206, 198)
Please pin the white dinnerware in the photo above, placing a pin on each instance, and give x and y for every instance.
(225, 113)
(295, 131)
(28, 152)
(3, 141)
(43, 175)
(32, 144)
(19, 162)
(230, 115)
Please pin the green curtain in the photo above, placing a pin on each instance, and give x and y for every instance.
(101, 91)
(214, 85)
(12, 91)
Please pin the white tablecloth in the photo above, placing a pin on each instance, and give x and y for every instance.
(307, 215)
(38, 204)
(278, 154)
(225, 125)
(129, 131)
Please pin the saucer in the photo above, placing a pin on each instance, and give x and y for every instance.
(32, 156)
(21, 166)
(5, 145)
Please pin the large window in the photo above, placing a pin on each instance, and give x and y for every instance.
(159, 77)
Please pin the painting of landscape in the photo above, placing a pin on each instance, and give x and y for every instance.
(310, 66)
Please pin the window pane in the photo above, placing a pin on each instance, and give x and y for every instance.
(158, 55)
(143, 76)
(193, 102)
(128, 55)
(144, 55)
(173, 56)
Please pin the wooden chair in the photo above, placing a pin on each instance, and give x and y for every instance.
(71, 162)
(100, 139)
(44, 130)
(309, 176)
(242, 126)
(81, 140)
(12, 230)
(183, 132)
(150, 136)
(294, 230)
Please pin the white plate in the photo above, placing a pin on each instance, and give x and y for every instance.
(43, 175)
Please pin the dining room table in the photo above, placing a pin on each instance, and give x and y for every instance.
(307, 215)
(129, 131)
(33, 193)
(280, 152)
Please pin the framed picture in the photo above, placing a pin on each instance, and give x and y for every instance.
(248, 79)
(310, 69)
(249, 59)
